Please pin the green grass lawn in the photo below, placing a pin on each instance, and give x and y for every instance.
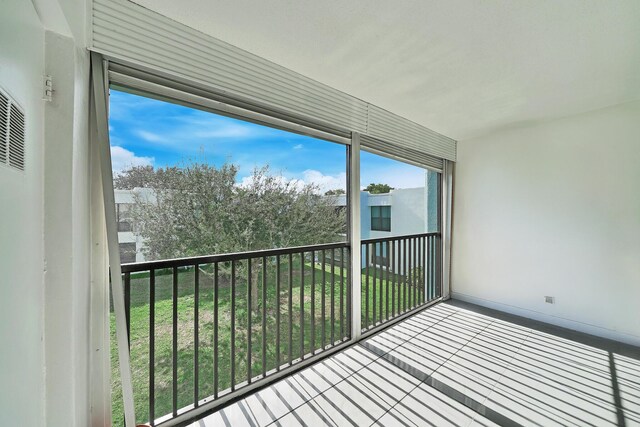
(163, 330)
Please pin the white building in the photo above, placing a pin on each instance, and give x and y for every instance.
(130, 241)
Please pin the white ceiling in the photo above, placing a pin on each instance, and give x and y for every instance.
(463, 68)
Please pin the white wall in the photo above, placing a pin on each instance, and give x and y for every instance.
(22, 373)
(44, 221)
(67, 234)
(554, 209)
(409, 211)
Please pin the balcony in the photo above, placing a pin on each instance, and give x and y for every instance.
(215, 350)
(204, 331)
(455, 364)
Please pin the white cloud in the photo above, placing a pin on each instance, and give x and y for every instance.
(298, 146)
(122, 158)
(325, 182)
(186, 130)
(149, 136)
(310, 176)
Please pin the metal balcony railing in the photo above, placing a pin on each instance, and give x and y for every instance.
(401, 274)
(202, 329)
(205, 330)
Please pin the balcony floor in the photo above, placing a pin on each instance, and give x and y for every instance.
(456, 364)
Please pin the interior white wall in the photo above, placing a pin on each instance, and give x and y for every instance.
(67, 234)
(44, 221)
(554, 209)
(22, 374)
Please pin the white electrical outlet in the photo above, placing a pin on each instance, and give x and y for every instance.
(549, 300)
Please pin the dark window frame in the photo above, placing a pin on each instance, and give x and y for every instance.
(380, 221)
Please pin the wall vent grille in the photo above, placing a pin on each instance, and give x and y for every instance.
(4, 127)
(12, 132)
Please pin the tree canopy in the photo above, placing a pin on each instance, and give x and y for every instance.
(378, 188)
(200, 209)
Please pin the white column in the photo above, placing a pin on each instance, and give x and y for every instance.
(447, 203)
(353, 188)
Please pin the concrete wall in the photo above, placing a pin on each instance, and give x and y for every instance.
(554, 209)
(22, 373)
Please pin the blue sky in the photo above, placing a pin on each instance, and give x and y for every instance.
(145, 131)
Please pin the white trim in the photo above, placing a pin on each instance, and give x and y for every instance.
(547, 318)
(447, 208)
(353, 185)
(100, 89)
(100, 355)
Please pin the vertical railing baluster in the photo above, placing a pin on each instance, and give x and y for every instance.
(392, 257)
(432, 264)
(405, 257)
(421, 269)
(175, 342)
(249, 319)
(341, 293)
(366, 298)
(399, 276)
(290, 309)
(413, 273)
(196, 338)
(333, 297)
(350, 287)
(409, 275)
(386, 248)
(216, 298)
(233, 325)
(127, 305)
(264, 316)
(277, 312)
(313, 302)
(152, 346)
(414, 286)
(428, 268)
(424, 268)
(323, 299)
(382, 282)
(374, 258)
(439, 263)
(302, 306)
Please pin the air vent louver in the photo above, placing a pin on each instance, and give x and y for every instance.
(12, 131)
(4, 126)
(16, 138)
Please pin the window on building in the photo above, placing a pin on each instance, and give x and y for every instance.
(124, 222)
(381, 218)
(127, 252)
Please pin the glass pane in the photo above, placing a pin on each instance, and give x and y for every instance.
(193, 183)
(404, 197)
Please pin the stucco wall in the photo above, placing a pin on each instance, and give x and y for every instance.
(554, 209)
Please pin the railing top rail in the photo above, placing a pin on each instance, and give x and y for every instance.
(208, 259)
(391, 238)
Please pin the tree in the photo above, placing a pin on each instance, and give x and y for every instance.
(335, 192)
(378, 188)
(201, 210)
